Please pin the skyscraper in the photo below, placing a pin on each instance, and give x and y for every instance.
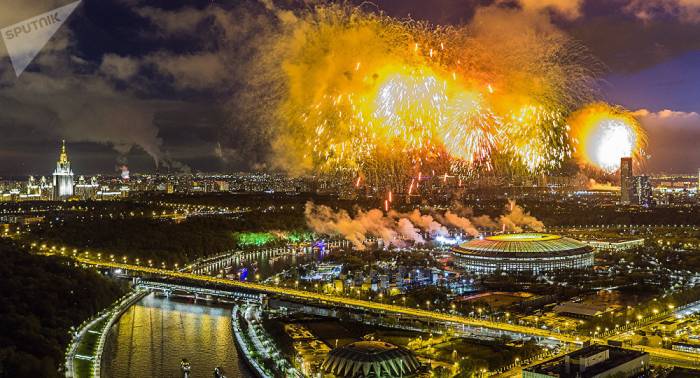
(63, 176)
(626, 181)
(643, 194)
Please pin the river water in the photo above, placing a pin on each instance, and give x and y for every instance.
(269, 266)
(153, 336)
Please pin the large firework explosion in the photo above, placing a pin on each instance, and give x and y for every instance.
(602, 134)
(385, 99)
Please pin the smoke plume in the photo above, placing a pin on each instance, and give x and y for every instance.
(517, 218)
(395, 228)
(463, 223)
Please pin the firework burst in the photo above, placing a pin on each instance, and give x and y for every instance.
(360, 91)
(603, 134)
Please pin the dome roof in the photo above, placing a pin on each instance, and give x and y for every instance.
(522, 245)
(364, 359)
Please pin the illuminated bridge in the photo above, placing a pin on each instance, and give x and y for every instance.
(337, 300)
(170, 288)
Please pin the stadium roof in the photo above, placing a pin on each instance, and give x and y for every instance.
(370, 359)
(531, 243)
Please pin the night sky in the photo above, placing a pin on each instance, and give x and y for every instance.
(149, 83)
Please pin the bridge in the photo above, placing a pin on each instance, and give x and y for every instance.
(327, 299)
(679, 358)
(169, 288)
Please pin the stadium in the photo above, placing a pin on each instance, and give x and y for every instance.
(522, 252)
(364, 359)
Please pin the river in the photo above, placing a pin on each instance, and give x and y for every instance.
(269, 266)
(153, 336)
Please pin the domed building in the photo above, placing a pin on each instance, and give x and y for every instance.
(364, 359)
(533, 252)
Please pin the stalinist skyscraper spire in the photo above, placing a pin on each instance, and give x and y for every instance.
(63, 176)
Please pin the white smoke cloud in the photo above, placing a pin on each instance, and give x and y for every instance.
(484, 222)
(424, 221)
(517, 219)
(463, 223)
(409, 231)
(396, 228)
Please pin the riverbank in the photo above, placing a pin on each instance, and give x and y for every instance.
(84, 354)
(257, 347)
(244, 347)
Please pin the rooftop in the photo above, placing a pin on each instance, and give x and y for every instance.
(370, 358)
(618, 356)
(523, 243)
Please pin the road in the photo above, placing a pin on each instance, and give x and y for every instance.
(662, 354)
(338, 300)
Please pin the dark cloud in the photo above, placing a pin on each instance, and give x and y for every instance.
(673, 140)
(133, 79)
(123, 101)
(626, 44)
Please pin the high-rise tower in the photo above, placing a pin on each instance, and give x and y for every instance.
(626, 181)
(643, 194)
(63, 176)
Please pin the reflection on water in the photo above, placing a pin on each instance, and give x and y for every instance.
(154, 335)
(267, 266)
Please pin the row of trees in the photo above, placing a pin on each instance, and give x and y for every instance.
(42, 298)
(144, 238)
(176, 242)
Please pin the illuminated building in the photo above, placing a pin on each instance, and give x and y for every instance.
(86, 190)
(626, 181)
(33, 188)
(370, 359)
(310, 352)
(522, 252)
(36, 190)
(595, 361)
(686, 347)
(643, 194)
(106, 193)
(63, 176)
(616, 245)
(46, 188)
